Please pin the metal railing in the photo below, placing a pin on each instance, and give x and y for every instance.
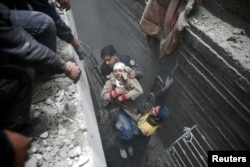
(189, 150)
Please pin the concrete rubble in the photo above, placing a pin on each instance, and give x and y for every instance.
(64, 143)
(234, 41)
(67, 141)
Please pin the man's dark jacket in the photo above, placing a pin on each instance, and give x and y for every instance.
(18, 47)
(128, 61)
(63, 30)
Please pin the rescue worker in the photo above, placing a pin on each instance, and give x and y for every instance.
(151, 121)
(122, 91)
(110, 57)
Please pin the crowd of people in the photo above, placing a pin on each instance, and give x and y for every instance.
(28, 49)
(28, 31)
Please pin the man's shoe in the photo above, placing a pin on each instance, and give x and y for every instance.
(130, 151)
(35, 126)
(123, 153)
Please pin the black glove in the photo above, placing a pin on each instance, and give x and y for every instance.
(80, 51)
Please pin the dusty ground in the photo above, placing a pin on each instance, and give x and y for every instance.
(65, 141)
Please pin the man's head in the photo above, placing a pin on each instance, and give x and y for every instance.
(159, 113)
(109, 55)
(118, 69)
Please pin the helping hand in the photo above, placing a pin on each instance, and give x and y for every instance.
(78, 46)
(72, 71)
(80, 51)
(169, 81)
(65, 4)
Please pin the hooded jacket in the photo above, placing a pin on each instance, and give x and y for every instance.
(132, 88)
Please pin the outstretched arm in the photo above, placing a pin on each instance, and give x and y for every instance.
(159, 98)
(21, 47)
(63, 30)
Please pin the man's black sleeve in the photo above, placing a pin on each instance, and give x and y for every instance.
(6, 150)
(160, 98)
(128, 61)
(24, 49)
(63, 30)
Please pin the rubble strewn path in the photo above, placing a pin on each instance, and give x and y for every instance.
(68, 141)
(64, 143)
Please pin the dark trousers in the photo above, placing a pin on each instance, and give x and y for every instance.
(37, 24)
(15, 97)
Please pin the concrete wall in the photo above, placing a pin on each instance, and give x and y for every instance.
(211, 87)
(94, 139)
(211, 90)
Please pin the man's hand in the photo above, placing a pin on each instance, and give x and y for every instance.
(65, 4)
(132, 74)
(78, 48)
(72, 71)
(21, 145)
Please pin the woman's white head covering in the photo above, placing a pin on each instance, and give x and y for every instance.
(119, 66)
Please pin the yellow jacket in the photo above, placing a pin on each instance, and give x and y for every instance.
(146, 128)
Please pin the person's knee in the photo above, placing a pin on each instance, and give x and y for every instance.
(45, 31)
(47, 23)
(126, 133)
(127, 136)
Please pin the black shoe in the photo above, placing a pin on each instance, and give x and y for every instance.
(130, 151)
(35, 126)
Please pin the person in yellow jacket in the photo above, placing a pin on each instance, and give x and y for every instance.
(151, 121)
